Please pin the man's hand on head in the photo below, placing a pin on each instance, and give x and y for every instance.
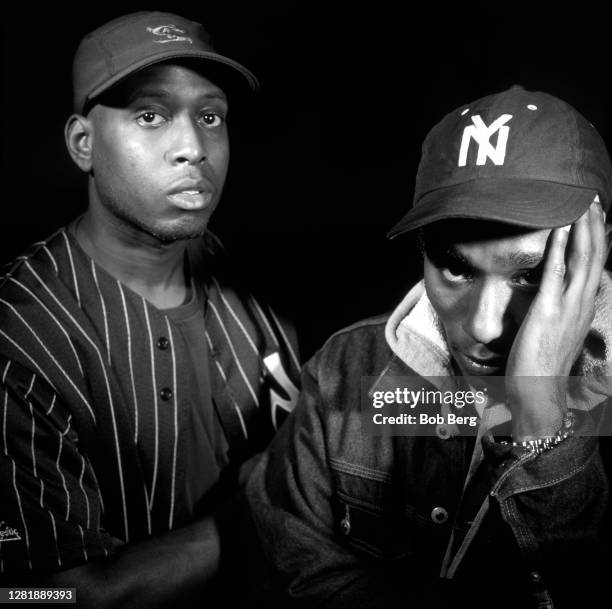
(552, 334)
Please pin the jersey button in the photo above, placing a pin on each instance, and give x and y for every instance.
(439, 515)
(163, 343)
(165, 394)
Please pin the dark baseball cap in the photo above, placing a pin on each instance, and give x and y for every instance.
(132, 42)
(518, 157)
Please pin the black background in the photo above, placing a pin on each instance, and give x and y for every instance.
(323, 163)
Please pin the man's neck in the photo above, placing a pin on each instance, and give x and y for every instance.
(149, 267)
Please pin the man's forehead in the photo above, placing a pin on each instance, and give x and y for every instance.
(163, 78)
(164, 81)
(514, 250)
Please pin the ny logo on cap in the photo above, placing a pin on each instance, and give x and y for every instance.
(482, 134)
(169, 33)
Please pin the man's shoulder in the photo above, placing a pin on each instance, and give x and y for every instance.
(360, 347)
(41, 261)
(362, 330)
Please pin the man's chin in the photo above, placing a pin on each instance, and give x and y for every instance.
(492, 380)
(179, 231)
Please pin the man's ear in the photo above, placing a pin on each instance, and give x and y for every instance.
(78, 134)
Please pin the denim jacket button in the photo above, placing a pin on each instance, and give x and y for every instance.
(345, 525)
(534, 576)
(442, 432)
(439, 515)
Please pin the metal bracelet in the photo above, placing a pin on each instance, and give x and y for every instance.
(540, 445)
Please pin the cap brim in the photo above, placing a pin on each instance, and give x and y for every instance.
(249, 78)
(529, 203)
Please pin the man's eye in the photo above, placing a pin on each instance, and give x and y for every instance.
(211, 120)
(529, 279)
(454, 275)
(150, 119)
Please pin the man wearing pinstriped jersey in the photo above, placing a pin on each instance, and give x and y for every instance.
(137, 381)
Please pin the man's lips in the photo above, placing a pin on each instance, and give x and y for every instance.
(484, 364)
(191, 194)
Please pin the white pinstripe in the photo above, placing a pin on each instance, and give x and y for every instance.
(10, 340)
(33, 433)
(93, 474)
(242, 423)
(155, 405)
(4, 421)
(231, 346)
(108, 391)
(265, 320)
(57, 364)
(148, 509)
(74, 277)
(42, 491)
(30, 387)
(57, 465)
(5, 406)
(83, 490)
(46, 249)
(8, 363)
(236, 407)
(59, 559)
(83, 542)
(171, 518)
(25, 526)
(27, 395)
(286, 339)
(103, 304)
(57, 323)
(52, 404)
(236, 319)
(129, 337)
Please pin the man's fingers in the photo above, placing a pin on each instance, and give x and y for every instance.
(579, 255)
(598, 247)
(553, 274)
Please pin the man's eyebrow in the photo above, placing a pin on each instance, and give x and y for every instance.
(445, 255)
(513, 259)
(520, 259)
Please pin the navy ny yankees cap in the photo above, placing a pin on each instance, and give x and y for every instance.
(518, 157)
(132, 42)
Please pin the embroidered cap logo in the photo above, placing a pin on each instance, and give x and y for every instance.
(169, 33)
(482, 135)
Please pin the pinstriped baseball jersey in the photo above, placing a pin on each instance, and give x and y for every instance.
(94, 399)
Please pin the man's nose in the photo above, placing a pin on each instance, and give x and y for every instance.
(187, 144)
(488, 318)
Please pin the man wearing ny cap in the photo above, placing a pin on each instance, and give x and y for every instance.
(138, 379)
(498, 496)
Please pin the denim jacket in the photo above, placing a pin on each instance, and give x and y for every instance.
(347, 519)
